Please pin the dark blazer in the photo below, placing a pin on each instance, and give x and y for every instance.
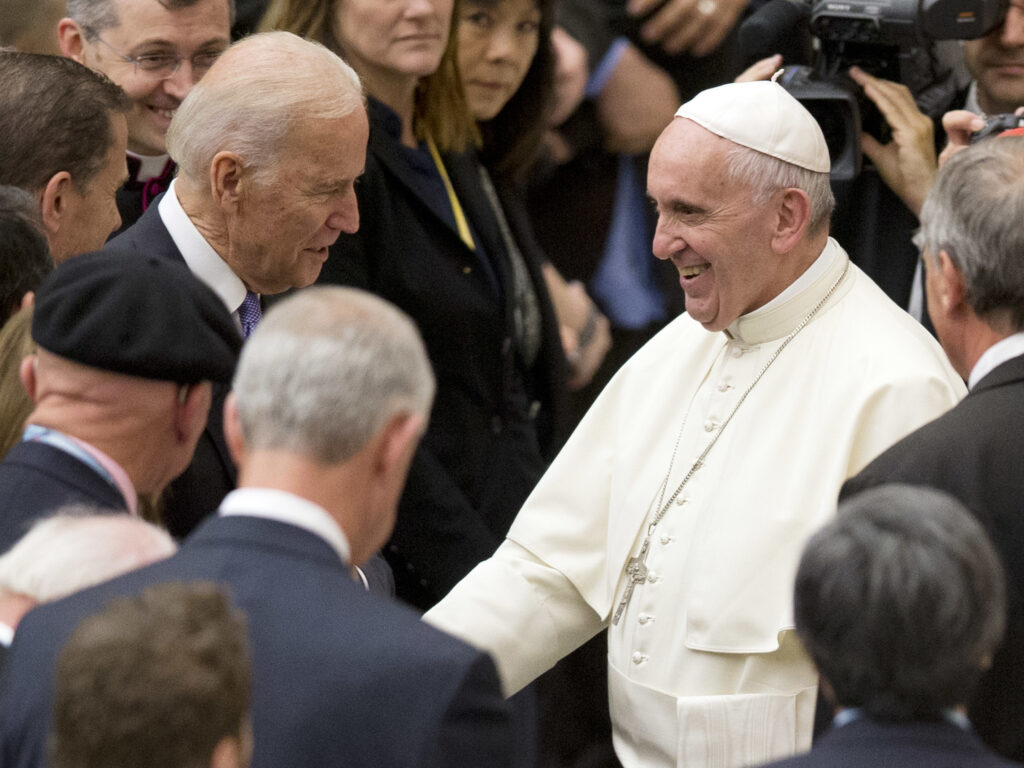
(866, 743)
(495, 422)
(973, 452)
(212, 473)
(36, 479)
(340, 677)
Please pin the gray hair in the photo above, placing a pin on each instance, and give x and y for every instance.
(765, 175)
(94, 16)
(76, 548)
(325, 370)
(901, 602)
(251, 98)
(974, 212)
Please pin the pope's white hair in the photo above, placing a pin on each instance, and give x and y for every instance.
(765, 175)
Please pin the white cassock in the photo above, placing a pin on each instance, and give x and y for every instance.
(704, 666)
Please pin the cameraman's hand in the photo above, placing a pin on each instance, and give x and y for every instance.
(959, 125)
(907, 164)
(697, 26)
(760, 70)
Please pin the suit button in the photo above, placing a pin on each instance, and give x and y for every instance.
(466, 270)
(496, 425)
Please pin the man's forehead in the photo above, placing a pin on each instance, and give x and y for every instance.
(143, 22)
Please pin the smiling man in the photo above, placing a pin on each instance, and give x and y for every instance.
(676, 513)
(156, 50)
(269, 145)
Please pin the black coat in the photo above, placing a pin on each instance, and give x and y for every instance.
(495, 422)
(865, 743)
(340, 677)
(37, 479)
(973, 452)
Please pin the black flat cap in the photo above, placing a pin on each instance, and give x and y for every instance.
(138, 315)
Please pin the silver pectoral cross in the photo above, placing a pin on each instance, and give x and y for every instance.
(636, 573)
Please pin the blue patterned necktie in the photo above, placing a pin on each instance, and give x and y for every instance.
(249, 313)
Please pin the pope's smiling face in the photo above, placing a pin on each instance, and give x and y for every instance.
(710, 228)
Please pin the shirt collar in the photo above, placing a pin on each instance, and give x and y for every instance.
(199, 255)
(6, 635)
(996, 355)
(100, 462)
(149, 166)
(284, 507)
(851, 714)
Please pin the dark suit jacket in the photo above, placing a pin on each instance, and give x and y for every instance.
(340, 677)
(973, 452)
(212, 473)
(866, 743)
(37, 479)
(484, 448)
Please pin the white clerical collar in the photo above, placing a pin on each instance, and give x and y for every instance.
(996, 355)
(150, 166)
(284, 507)
(780, 315)
(802, 283)
(199, 255)
(6, 635)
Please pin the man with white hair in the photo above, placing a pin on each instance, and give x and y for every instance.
(74, 549)
(330, 398)
(269, 145)
(676, 513)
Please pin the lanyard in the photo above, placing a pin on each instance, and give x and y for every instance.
(460, 217)
(36, 434)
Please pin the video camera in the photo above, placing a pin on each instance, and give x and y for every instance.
(890, 39)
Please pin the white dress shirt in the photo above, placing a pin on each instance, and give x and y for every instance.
(199, 255)
(996, 355)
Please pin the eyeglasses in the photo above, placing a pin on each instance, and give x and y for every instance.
(160, 66)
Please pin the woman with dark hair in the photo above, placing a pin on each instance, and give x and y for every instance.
(430, 242)
(507, 64)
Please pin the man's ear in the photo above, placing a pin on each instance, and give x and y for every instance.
(233, 429)
(951, 285)
(27, 374)
(71, 39)
(398, 441)
(192, 411)
(793, 217)
(55, 201)
(228, 177)
(228, 753)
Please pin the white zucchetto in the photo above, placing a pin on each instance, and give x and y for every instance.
(762, 116)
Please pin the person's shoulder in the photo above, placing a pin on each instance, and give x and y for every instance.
(148, 231)
(881, 341)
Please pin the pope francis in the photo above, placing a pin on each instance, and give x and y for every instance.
(676, 513)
